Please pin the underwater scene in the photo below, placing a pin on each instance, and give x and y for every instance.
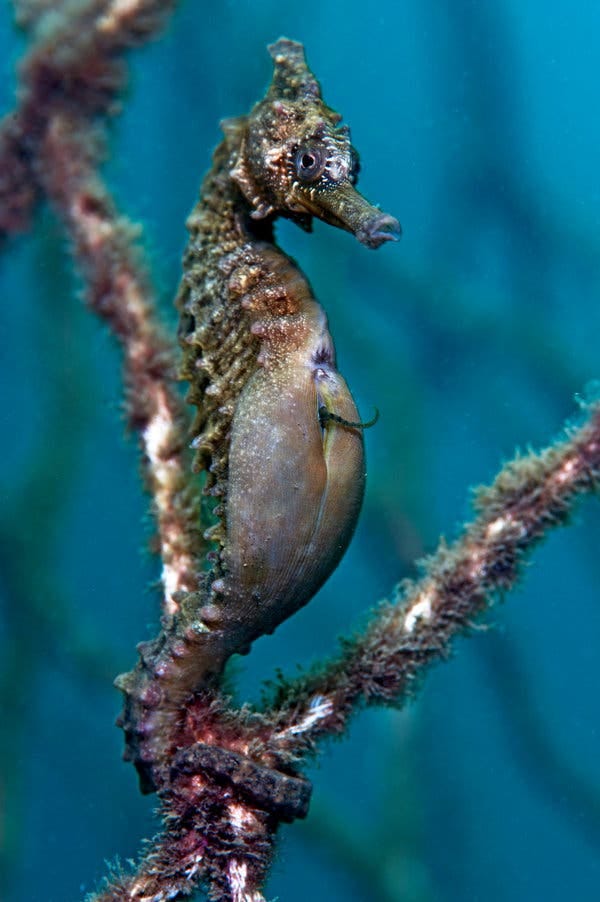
(475, 338)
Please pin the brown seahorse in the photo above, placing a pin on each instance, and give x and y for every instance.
(276, 431)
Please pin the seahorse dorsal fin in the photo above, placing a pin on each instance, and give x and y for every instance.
(292, 79)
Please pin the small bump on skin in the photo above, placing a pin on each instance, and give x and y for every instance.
(211, 614)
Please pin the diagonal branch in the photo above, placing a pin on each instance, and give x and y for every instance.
(75, 65)
(530, 495)
(119, 292)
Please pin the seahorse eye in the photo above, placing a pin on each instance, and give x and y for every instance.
(309, 163)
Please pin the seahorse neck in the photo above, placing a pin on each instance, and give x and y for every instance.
(221, 220)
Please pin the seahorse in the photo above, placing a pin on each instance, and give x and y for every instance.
(260, 360)
(277, 433)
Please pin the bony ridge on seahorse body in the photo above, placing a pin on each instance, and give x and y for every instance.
(260, 360)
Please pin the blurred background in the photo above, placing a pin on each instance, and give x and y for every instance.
(477, 126)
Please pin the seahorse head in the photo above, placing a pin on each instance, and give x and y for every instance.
(295, 160)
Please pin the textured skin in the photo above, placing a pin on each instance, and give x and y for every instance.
(260, 361)
(285, 481)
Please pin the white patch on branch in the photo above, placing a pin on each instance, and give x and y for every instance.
(566, 472)
(164, 478)
(497, 526)
(477, 564)
(319, 708)
(237, 872)
(420, 610)
(111, 21)
(240, 818)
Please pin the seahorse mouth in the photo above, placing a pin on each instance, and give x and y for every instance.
(377, 231)
(344, 207)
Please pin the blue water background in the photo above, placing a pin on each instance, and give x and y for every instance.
(477, 125)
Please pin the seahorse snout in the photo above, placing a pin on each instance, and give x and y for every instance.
(378, 230)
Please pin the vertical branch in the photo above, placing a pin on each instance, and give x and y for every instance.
(118, 291)
(75, 65)
(53, 144)
(70, 81)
